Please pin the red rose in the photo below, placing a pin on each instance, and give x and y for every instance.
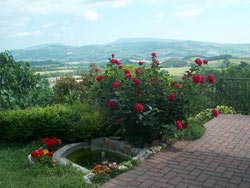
(138, 70)
(152, 79)
(202, 79)
(128, 75)
(178, 125)
(198, 61)
(139, 92)
(171, 97)
(215, 112)
(139, 107)
(113, 55)
(50, 154)
(172, 84)
(120, 66)
(140, 63)
(116, 85)
(117, 120)
(127, 71)
(154, 54)
(96, 70)
(211, 78)
(115, 61)
(205, 61)
(189, 74)
(136, 81)
(183, 77)
(178, 86)
(99, 78)
(111, 103)
(185, 125)
(196, 78)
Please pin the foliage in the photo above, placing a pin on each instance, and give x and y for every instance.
(19, 86)
(68, 90)
(13, 159)
(206, 115)
(72, 123)
(194, 131)
(143, 102)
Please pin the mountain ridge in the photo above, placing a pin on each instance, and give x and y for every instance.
(138, 48)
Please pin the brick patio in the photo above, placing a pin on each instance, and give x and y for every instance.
(221, 158)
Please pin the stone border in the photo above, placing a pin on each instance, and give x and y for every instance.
(121, 147)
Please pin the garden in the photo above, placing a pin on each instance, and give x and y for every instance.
(140, 104)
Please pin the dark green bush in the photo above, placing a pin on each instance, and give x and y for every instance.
(69, 123)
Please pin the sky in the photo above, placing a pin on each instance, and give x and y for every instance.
(25, 23)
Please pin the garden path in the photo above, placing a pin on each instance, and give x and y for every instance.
(221, 158)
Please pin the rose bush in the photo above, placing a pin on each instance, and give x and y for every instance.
(144, 103)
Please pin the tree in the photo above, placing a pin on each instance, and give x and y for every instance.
(19, 86)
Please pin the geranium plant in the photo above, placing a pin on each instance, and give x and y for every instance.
(143, 102)
(44, 155)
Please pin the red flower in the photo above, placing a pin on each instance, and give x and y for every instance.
(136, 81)
(111, 103)
(116, 85)
(96, 70)
(127, 71)
(183, 77)
(211, 78)
(117, 120)
(202, 79)
(178, 125)
(215, 112)
(171, 97)
(154, 54)
(152, 79)
(99, 78)
(198, 61)
(50, 154)
(139, 92)
(113, 55)
(189, 74)
(40, 152)
(205, 61)
(185, 125)
(139, 107)
(140, 63)
(115, 61)
(196, 78)
(34, 153)
(44, 140)
(138, 70)
(120, 66)
(172, 84)
(178, 86)
(128, 75)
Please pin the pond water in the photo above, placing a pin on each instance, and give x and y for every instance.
(88, 158)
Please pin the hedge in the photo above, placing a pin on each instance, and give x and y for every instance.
(70, 123)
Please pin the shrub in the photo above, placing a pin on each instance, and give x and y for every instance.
(143, 103)
(20, 87)
(71, 123)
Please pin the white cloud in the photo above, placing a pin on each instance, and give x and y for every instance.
(26, 34)
(159, 15)
(189, 12)
(120, 3)
(48, 25)
(65, 28)
(91, 15)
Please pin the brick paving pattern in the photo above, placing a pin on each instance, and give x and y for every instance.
(220, 159)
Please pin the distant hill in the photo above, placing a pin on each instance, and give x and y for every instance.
(134, 48)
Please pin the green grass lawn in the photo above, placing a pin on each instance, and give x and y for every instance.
(17, 172)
